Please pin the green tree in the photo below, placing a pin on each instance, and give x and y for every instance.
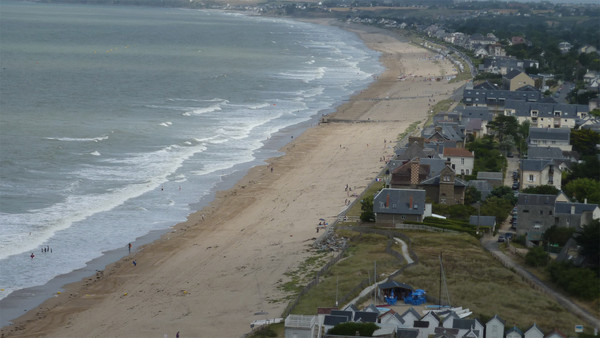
(504, 192)
(558, 235)
(582, 189)
(536, 256)
(542, 190)
(366, 205)
(504, 126)
(588, 238)
(584, 141)
(498, 207)
(472, 195)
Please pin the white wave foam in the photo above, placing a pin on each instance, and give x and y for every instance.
(166, 124)
(78, 139)
(95, 153)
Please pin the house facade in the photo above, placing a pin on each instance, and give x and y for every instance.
(546, 114)
(516, 79)
(536, 172)
(461, 160)
(543, 137)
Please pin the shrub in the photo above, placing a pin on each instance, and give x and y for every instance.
(579, 282)
(536, 257)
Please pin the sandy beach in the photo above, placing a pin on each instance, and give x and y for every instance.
(209, 275)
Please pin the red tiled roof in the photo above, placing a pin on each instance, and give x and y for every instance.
(457, 152)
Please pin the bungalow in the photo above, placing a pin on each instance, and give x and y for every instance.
(534, 332)
(393, 206)
(514, 332)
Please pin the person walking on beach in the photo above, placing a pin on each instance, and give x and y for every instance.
(129, 245)
(32, 256)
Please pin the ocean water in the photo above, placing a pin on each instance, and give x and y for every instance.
(119, 121)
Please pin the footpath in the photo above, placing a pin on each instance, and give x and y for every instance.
(490, 243)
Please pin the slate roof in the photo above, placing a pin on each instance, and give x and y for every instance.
(350, 307)
(512, 74)
(534, 327)
(366, 317)
(553, 153)
(399, 201)
(347, 314)
(557, 134)
(442, 332)
(407, 333)
(421, 323)
(393, 284)
(535, 164)
(474, 124)
(435, 165)
(371, 308)
(331, 320)
(498, 97)
(474, 112)
(484, 221)
(464, 324)
(545, 109)
(565, 207)
(535, 199)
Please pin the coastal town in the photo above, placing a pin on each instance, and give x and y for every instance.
(457, 196)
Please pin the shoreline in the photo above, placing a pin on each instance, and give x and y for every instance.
(205, 259)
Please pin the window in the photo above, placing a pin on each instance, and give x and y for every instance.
(403, 217)
(541, 212)
(462, 161)
(446, 178)
(531, 177)
(393, 205)
(550, 212)
(462, 171)
(525, 211)
(467, 171)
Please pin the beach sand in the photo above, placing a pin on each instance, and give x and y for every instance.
(208, 276)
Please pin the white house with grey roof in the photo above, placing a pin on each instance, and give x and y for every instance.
(575, 215)
(546, 115)
(553, 137)
(546, 153)
(536, 172)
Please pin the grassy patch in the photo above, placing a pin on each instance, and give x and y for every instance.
(354, 210)
(273, 330)
(302, 275)
(477, 281)
(358, 265)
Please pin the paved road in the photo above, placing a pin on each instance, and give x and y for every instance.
(490, 243)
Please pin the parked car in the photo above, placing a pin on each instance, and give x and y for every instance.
(501, 238)
(515, 186)
(509, 235)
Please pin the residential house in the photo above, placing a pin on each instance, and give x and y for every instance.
(553, 137)
(495, 100)
(546, 114)
(534, 332)
(445, 188)
(575, 215)
(449, 131)
(483, 222)
(495, 179)
(545, 153)
(476, 128)
(461, 160)
(564, 47)
(516, 79)
(410, 173)
(494, 328)
(536, 172)
(504, 64)
(535, 215)
(393, 206)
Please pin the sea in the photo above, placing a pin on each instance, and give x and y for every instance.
(118, 122)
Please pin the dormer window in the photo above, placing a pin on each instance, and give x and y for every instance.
(534, 113)
(556, 114)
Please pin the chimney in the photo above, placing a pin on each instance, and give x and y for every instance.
(585, 201)
(410, 202)
(414, 171)
(572, 209)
